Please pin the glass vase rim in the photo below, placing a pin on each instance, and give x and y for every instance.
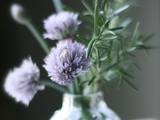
(98, 93)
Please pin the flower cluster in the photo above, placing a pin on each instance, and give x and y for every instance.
(66, 61)
(60, 26)
(22, 83)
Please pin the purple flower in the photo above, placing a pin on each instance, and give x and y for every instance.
(61, 25)
(21, 83)
(66, 61)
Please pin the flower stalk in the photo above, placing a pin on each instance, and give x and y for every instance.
(38, 37)
(20, 16)
(58, 5)
(96, 15)
(54, 86)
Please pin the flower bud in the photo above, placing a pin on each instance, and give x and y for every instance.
(19, 14)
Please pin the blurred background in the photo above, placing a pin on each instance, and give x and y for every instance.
(16, 43)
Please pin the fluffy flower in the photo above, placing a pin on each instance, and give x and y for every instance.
(61, 25)
(21, 83)
(66, 61)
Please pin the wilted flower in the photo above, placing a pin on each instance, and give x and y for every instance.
(19, 14)
(61, 25)
(66, 61)
(21, 83)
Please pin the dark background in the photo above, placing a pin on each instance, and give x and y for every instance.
(16, 43)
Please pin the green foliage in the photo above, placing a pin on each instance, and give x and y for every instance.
(111, 47)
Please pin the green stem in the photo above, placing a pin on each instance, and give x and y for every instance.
(85, 110)
(54, 86)
(58, 5)
(89, 48)
(77, 86)
(86, 113)
(38, 37)
(104, 3)
(96, 18)
(87, 7)
(74, 87)
(71, 88)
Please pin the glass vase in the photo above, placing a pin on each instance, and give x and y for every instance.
(84, 107)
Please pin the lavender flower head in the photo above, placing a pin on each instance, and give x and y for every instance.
(21, 83)
(61, 25)
(66, 61)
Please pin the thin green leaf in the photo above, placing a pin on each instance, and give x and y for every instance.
(118, 11)
(130, 84)
(147, 53)
(98, 57)
(96, 16)
(103, 4)
(104, 47)
(109, 32)
(83, 82)
(130, 49)
(108, 37)
(122, 47)
(91, 81)
(140, 47)
(135, 34)
(126, 74)
(110, 75)
(111, 66)
(132, 55)
(137, 66)
(145, 48)
(83, 39)
(86, 17)
(89, 48)
(105, 81)
(105, 25)
(117, 28)
(104, 58)
(126, 22)
(120, 81)
(144, 39)
(87, 6)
